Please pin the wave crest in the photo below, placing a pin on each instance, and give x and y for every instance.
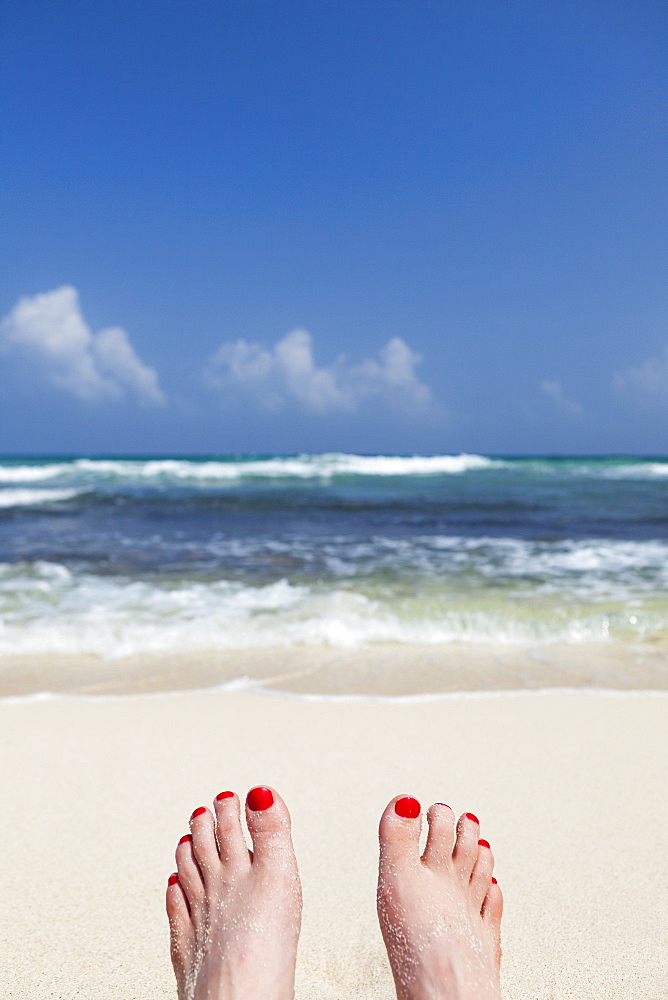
(281, 467)
(32, 473)
(32, 498)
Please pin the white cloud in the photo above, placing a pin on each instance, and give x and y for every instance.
(648, 383)
(287, 374)
(50, 328)
(556, 395)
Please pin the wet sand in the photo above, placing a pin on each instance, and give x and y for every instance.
(569, 787)
(393, 669)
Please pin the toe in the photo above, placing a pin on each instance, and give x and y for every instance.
(465, 853)
(231, 843)
(190, 877)
(399, 830)
(441, 835)
(204, 846)
(180, 926)
(268, 823)
(481, 876)
(492, 911)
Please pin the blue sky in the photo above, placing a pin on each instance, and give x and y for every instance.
(370, 226)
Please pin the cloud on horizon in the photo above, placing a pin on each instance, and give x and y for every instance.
(287, 375)
(555, 393)
(646, 384)
(50, 328)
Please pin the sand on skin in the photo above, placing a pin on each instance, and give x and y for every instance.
(570, 789)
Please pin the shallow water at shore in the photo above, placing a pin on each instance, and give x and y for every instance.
(375, 671)
(456, 571)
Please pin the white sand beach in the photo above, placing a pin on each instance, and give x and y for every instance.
(569, 788)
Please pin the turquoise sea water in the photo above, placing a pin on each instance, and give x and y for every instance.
(118, 557)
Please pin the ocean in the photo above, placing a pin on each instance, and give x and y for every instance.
(333, 559)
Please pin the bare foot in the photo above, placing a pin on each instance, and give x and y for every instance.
(235, 915)
(440, 913)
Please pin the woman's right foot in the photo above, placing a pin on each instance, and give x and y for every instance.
(235, 916)
(440, 913)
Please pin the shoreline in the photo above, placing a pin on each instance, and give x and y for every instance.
(42, 697)
(566, 786)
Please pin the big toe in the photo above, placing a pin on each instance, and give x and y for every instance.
(269, 825)
(399, 830)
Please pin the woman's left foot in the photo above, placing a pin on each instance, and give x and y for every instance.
(235, 915)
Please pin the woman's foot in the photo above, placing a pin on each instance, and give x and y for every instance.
(440, 913)
(235, 915)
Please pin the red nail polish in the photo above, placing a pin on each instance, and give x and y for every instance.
(407, 807)
(494, 882)
(259, 798)
(473, 818)
(224, 795)
(443, 804)
(173, 879)
(483, 843)
(185, 839)
(198, 812)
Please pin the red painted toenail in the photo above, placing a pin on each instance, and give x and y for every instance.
(199, 812)
(259, 798)
(186, 839)
(407, 807)
(494, 882)
(483, 843)
(443, 804)
(173, 879)
(224, 795)
(473, 818)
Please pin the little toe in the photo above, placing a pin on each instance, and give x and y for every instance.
(268, 822)
(399, 830)
(441, 835)
(481, 876)
(465, 852)
(231, 843)
(204, 846)
(181, 931)
(492, 911)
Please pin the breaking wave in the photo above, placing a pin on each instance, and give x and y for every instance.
(227, 471)
(299, 467)
(31, 498)
(46, 608)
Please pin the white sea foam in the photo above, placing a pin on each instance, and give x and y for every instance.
(319, 466)
(300, 467)
(32, 473)
(32, 497)
(596, 469)
(415, 465)
(589, 569)
(45, 608)
(297, 467)
(248, 685)
(638, 470)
